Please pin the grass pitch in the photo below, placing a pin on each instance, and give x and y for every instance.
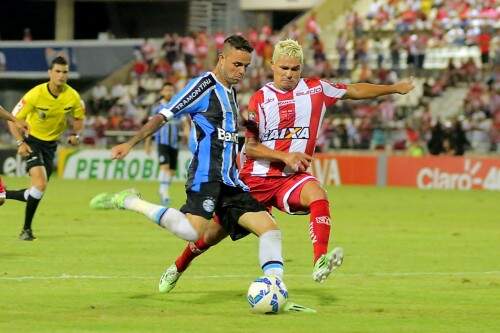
(416, 261)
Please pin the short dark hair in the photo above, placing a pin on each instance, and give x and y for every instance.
(58, 61)
(167, 84)
(239, 43)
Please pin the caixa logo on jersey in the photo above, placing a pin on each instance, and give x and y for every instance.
(227, 136)
(286, 133)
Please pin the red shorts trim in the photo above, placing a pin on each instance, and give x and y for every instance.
(280, 192)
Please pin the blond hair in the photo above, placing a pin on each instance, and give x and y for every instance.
(288, 47)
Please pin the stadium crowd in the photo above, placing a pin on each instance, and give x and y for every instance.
(393, 39)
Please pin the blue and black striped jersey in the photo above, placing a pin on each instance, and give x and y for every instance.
(168, 134)
(214, 112)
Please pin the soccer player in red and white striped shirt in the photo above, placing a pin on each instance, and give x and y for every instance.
(284, 118)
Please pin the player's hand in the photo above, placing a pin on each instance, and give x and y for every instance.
(24, 149)
(74, 139)
(22, 126)
(120, 151)
(404, 86)
(298, 161)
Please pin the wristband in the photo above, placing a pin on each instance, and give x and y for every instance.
(19, 142)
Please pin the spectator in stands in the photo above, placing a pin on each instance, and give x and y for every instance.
(458, 139)
(341, 46)
(483, 41)
(435, 144)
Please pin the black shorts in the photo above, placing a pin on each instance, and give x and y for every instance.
(43, 153)
(227, 202)
(168, 155)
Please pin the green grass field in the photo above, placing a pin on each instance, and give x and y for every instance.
(416, 261)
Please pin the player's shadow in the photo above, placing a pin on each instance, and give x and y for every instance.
(187, 296)
(323, 296)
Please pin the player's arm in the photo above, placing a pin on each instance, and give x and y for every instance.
(78, 122)
(368, 90)
(19, 123)
(148, 144)
(153, 124)
(21, 111)
(184, 102)
(297, 161)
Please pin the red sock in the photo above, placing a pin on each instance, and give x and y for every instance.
(191, 251)
(319, 227)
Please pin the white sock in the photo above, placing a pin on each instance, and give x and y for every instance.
(178, 224)
(168, 218)
(26, 194)
(138, 205)
(270, 257)
(34, 192)
(165, 180)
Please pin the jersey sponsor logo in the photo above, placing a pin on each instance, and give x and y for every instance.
(288, 101)
(269, 100)
(311, 91)
(193, 94)
(227, 136)
(286, 133)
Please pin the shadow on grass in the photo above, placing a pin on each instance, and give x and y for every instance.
(194, 296)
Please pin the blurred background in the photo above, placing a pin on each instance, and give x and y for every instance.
(121, 52)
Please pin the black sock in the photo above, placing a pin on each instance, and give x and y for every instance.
(16, 194)
(31, 206)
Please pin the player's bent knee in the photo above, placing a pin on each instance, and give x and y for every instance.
(186, 230)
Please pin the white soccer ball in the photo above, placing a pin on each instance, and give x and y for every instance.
(267, 294)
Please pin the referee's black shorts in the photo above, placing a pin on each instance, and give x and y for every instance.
(227, 202)
(43, 153)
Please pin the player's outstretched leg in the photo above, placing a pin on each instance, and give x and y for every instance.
(168, 218)
(213, 235)
(327, 263)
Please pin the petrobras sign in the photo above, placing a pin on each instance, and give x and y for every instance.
(97, 164)
(11, 164)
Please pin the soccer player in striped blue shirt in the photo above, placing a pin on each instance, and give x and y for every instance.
(213, 185)
(167, 142)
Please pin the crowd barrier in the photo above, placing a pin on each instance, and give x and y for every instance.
(430, 172)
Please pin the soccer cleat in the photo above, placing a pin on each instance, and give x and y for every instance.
(118, 199)
(294, 307)
(102, 201)
(27, 235)
(169, 279)
(327, 263)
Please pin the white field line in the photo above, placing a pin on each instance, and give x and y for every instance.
(238, 276)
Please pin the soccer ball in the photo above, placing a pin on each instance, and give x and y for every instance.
(267, 294)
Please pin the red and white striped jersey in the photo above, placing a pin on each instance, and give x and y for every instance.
(288, 121)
